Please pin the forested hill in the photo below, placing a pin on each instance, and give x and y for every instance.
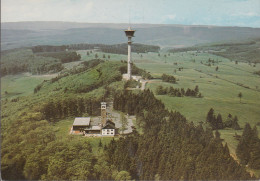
(170, 147)
(20, 34)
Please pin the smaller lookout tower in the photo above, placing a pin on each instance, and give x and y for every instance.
(103, 113)
(129, 33)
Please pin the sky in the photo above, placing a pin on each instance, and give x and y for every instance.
(186, 12)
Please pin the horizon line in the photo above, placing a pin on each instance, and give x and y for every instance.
(164, 24)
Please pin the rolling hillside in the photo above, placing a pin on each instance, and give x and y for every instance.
(20, 34)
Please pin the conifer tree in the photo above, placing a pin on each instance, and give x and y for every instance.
(240, 96)
(219, 122)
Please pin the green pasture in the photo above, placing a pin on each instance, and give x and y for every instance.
(20, 85)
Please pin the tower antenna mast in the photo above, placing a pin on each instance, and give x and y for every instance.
(129, 15)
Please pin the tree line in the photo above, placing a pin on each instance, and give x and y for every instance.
(56, 109)
(64, 56)
(168, 78)
(48, 48)
(176, 92)
(117, 48)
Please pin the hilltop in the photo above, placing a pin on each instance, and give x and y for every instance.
(36, 141)
(244, 51)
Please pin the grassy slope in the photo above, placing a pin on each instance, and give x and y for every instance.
(11, 110)
(246, 50)
(20, 85)
(28, 100)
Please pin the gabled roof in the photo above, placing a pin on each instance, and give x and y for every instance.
(109, 125)
(94, 128)
(82, 121)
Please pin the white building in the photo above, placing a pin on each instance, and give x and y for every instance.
(109, 129)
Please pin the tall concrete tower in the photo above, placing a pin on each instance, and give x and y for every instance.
(103, 113)
(129, 33)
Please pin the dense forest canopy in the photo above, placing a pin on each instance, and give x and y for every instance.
(171, 148)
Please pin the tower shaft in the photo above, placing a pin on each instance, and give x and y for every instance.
(129, 70)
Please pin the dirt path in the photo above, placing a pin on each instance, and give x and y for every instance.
(41, 75)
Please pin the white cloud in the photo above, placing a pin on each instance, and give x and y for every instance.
(247, 14)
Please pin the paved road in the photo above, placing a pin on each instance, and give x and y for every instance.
(143, 82)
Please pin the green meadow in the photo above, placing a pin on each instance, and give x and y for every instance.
(21, 85)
